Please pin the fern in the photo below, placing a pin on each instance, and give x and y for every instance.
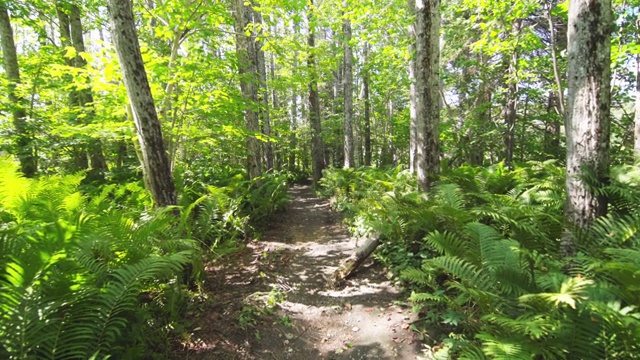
(71, 269)
(447, 243)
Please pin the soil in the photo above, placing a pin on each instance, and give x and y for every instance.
(271, 299)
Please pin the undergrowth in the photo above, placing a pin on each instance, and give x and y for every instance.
(479, 255)
(98, 273)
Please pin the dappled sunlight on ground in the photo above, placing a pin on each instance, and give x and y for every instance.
(301, 248)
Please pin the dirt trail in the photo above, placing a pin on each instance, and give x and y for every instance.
(302, 246)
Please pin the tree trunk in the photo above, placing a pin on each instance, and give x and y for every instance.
(413, 136)
(427, 91)
(348, 89)
(248, 77)
(510, 107)
(79, 154)
(155, 162)
(23, 143)
(390, 131)
(85, 96)
(554, 59)
(317, 147)
(587, 122)
(367, 108)
(263, 94)
(636, 137)
(293, 123)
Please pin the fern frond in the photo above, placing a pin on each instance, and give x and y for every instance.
(416, 276)
(447, 243)
(572, 291)
(504, 348)
(461, 269)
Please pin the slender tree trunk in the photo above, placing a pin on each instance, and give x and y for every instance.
(392, 148)
(155, 162)
(293, 123)
(427, 29)
(554, 58)
(636, 137)
(413, 135)
(348, 89)
(367, 108)
(248, 78)
(587, 122)
(263, 95)
(317, 147)
(85, 96)
(79, 151)
(510, 109)
(24, 145)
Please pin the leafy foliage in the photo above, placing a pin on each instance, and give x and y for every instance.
(480, 255)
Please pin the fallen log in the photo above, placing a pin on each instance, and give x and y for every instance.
(349, 266)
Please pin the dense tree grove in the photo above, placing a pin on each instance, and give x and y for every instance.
(492, 144)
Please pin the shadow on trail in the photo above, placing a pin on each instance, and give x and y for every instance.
(303, 246)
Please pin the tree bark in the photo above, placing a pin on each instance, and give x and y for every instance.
(554, 59)
(349, 266)
(263, 94)
(317, 146)
(79, 150)
(248, 77)
(413, 136)
(587, 122)
(348, 90)
(509, 111)
(367, 108)
(84, 96)
(293, 123)
(154, 157)
(23, 143)
(427, 29)
(636, 132)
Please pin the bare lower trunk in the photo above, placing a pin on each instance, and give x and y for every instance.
(293, 123)
(427, 91)
(367, 110)
(636, 137)
(248, 77)
(554, 58)
(85, 97)
(588, 111)
(24, 147)
(154, 157)
(413, 136)
(348, 93)
(317, 147)
(509, 110)
(263, 96)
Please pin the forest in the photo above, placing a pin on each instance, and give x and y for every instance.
(489, 146)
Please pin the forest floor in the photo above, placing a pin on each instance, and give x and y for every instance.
(287, 268)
